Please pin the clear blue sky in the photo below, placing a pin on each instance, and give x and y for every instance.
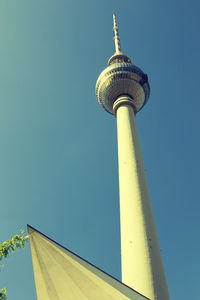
(58, 147)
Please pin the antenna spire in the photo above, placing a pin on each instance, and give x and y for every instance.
(116, 36)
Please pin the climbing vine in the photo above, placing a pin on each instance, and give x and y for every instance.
(7, 247)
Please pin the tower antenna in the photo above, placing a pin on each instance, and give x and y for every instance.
(116, 35)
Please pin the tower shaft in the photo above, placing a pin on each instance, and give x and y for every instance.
(142, 267)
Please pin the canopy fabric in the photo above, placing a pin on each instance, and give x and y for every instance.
(62, 275)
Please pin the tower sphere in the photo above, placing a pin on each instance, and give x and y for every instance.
(121, 78)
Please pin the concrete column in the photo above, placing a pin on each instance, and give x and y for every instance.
(141, 260)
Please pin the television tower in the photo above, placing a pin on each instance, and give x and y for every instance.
(122, 89)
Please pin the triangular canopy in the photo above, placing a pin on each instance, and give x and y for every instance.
(62, 275)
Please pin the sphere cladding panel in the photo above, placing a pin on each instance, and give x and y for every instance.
(120, 86)
(120, 79)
